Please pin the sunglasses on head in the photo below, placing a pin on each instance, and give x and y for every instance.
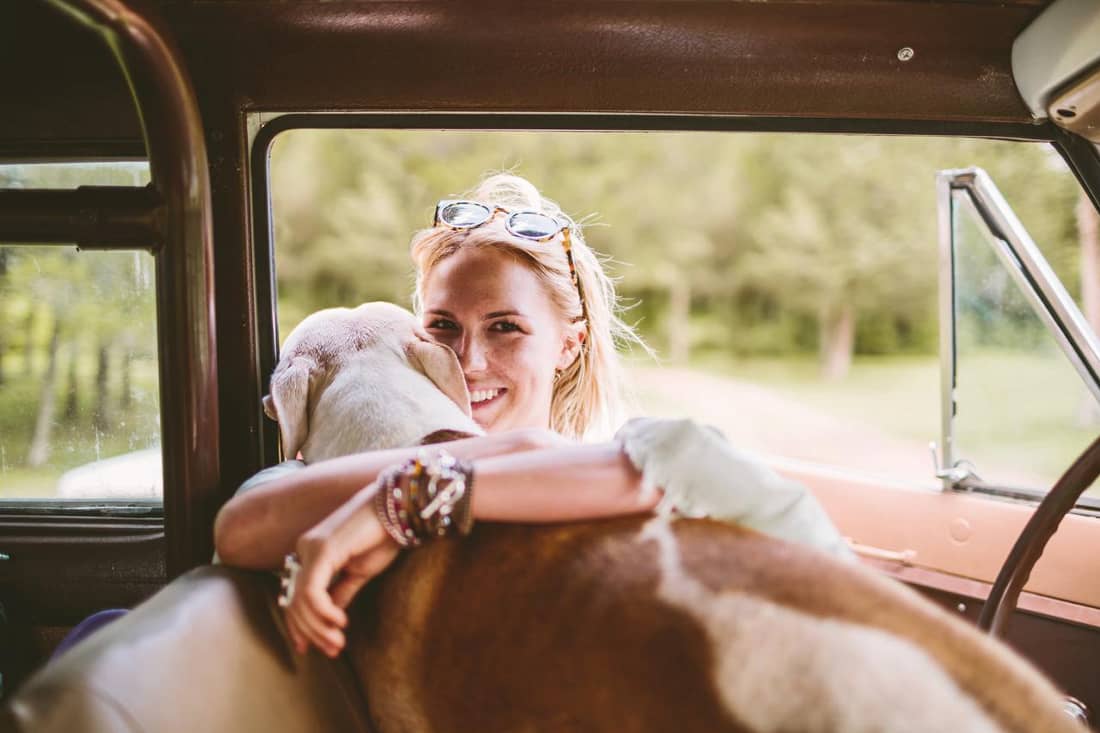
(533, 225)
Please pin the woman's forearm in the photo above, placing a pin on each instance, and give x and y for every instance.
(257, 528)
(559, 484)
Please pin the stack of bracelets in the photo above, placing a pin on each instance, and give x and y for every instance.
(434, 502)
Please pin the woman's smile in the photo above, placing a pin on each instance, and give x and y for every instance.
(482, 398)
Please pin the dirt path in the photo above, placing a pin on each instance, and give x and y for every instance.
(765, 420)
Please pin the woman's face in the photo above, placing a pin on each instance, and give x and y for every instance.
(498, 318)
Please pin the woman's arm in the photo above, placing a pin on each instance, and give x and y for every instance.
(552, 485)
(697, 471)
(559, 484)
(257, 528)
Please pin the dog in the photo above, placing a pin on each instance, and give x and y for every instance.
(634, 624)
(365, 378)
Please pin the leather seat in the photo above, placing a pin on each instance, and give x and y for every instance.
(208, 652)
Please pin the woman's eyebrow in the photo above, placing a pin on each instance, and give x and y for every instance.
(486, 317)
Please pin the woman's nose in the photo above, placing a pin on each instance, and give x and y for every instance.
(472, 355)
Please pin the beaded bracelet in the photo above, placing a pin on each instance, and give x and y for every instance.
(438, 499)
(389, 505)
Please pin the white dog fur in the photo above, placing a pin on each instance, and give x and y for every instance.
(365, 378)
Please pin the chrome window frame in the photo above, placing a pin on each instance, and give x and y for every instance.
(1021, 257)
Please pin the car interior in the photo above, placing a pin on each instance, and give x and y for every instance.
(155, 123)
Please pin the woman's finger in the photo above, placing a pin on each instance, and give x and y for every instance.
(361, 569)
(296, 639)
(320, 628)
(307, 603)
(373, 561)
(328, 639)
(320, 558)
(312, 589)
(347, 588)
(306, 637)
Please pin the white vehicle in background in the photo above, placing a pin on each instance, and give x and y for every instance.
(135, 475)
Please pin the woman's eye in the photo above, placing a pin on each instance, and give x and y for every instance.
(505, 326)
(442, 324)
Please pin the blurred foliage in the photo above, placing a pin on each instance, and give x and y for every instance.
(725, 246)
(78, 350)
(78, 362)
(749, 244)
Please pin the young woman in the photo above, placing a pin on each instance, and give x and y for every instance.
(506, 280)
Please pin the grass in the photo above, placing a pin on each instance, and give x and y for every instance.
(1020, 417)
(73, 442)
(1035, 411)
(898, 394)
(29, 483)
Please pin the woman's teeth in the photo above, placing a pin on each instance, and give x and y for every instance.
(483, 395)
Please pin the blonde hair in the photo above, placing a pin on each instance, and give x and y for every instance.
(588, 396)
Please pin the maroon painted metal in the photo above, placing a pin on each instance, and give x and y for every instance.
(813, 59)
(173, 134)
(91, 217)
(805, 58)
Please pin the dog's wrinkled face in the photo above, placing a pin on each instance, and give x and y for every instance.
(327, 339)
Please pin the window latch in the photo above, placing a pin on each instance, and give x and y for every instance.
(961, 471)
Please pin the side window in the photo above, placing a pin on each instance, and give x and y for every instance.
(79, 404)
(1024, 361)
(788, 283)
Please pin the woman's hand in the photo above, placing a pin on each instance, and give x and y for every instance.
(349, 547)
(256, 528)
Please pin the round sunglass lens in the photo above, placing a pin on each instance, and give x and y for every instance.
(464, 214)
(533, 225)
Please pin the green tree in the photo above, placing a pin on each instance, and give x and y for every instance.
(787, 242)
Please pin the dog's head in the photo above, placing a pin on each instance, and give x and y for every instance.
(327, 339)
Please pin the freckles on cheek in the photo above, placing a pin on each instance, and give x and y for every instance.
(533, 365)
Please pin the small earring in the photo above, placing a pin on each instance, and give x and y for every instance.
(557, 374)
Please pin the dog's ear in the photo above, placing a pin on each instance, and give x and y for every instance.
(439, 364)
(288, 403)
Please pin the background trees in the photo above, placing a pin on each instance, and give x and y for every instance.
(726, 243)
(727, 246)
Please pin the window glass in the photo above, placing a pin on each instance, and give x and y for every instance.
(1023, 413)
(71, 175)
(79, 405)
(787, 282)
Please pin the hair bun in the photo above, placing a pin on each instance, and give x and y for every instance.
(514, 193)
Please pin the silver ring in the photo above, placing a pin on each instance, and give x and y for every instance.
(288, 578)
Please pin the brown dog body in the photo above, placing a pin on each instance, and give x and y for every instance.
(639, 624)
(646, 624)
